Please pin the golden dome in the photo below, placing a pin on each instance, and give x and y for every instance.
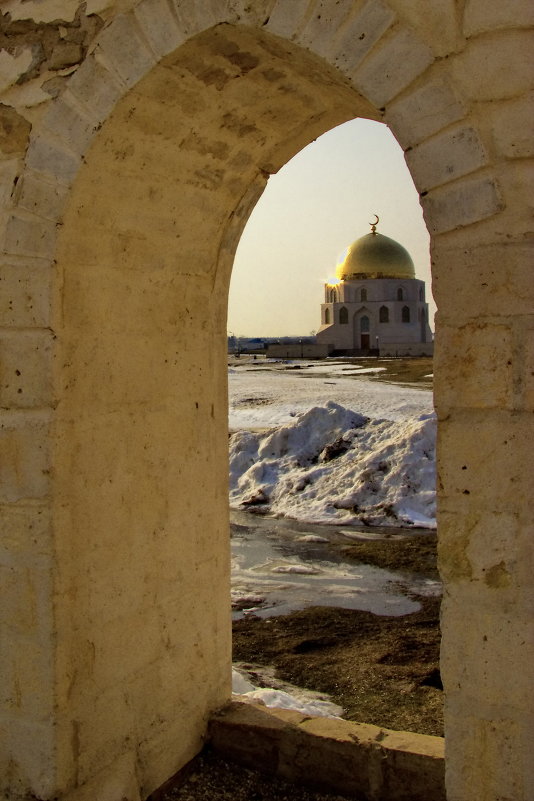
(375, 256)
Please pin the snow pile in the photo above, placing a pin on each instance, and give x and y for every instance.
(332, 465)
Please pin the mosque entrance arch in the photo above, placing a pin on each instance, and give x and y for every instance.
(364, 332)
(119, 418)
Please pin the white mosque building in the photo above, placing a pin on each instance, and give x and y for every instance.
(376, 306)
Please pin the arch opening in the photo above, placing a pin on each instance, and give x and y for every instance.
(145, 253)
(476, 209)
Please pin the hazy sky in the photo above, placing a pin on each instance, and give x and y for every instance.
(320, 202)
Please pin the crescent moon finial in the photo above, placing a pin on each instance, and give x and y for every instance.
(373, 225)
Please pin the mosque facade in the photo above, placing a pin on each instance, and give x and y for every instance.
(376, 306)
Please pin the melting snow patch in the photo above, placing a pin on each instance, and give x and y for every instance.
(306, 702)
(302, 569)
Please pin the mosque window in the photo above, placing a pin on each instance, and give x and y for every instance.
(363, 294)
(405, 314)
(383, 314)
(400, 293)
(343, 315)
(421, 293)
(327, 315)
(364, 324)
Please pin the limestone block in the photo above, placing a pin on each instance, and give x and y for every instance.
(25, 293)
(330, 755)
(487, 637)
(106, 8)
(117, 781)
(97, 87)
(434, 21)
(286, 18)
(26, 660)
(29, 97)
(29, 235)
(489, 753)
(487, 15)
(487, 548)
(13, 66)
(443, 158)
(425, 745)
(257, 13)
(26, 535)
(485, 280)
(40, 197)
(37, 11)
(527, 389)
(9, 171)
(511, 125)
(194, 17)
(465, 202)
(159, 26)
(52, 157)
(114, 647)
(493, 550)
(65, 54)
(495, 67)
(285, 715)
(360, 34)
(248, 733)
(14, 131)
(25, 447)
(322, 27)
(121, 46)
(426, 110)
(356, 759)
(25, 672)
(484, 461)
(516, 181)
(392, 66)
(30, 749)
(26, 368)
(412, 767)
(453, 541)
(66, 121)
(101, 731)
(156, 761)
(19, 599)
(474, 366)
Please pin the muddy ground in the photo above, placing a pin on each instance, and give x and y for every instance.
(409, 372)
(381, 670)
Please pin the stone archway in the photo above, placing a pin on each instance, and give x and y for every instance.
(118, 249)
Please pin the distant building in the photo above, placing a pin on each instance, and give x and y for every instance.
(376, 305)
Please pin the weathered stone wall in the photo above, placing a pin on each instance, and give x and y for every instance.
(337, 756)
(134, 140)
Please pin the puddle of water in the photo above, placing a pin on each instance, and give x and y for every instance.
(279, 566)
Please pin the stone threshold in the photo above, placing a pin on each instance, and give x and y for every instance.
(357, 760)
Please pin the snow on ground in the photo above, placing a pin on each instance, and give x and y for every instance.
(370, 460)
(306, 702)
(263, 395)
